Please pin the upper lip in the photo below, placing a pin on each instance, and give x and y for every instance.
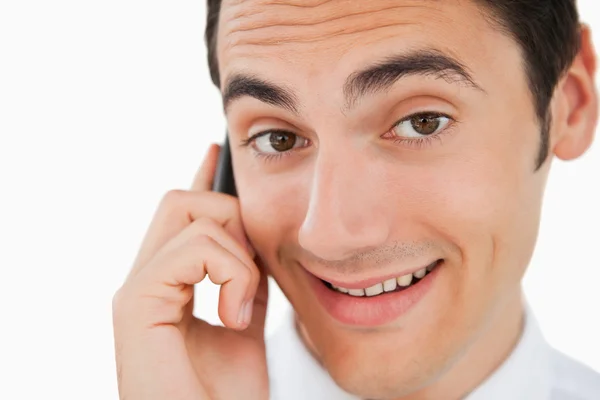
(368, 282)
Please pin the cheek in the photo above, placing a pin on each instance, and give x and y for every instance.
(272, 207)
(487, 202)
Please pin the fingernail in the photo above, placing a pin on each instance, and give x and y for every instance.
(245, 315)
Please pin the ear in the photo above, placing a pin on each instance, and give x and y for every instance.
(575, 106)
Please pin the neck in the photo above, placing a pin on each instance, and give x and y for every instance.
(482, 358)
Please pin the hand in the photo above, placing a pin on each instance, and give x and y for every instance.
(164, 352)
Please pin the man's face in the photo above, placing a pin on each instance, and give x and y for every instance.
(362, 177)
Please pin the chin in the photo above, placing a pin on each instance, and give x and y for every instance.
(387, 364)
(375, 372)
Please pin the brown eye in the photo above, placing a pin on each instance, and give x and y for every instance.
(282, 141)
(420, 125)
(425, 125)
(273, 142)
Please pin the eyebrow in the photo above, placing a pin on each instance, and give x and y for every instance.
(377, 78)
(241, 85)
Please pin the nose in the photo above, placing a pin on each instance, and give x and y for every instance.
(345, 214)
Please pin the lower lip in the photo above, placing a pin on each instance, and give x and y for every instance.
(371, 311)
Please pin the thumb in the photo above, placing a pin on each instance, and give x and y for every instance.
(256, 329)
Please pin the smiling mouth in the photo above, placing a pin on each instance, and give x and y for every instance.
(391, 285)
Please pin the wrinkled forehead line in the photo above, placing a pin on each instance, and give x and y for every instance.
(250, 15)
(339, 4)
(300, 31)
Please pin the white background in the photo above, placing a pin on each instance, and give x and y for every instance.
(106, 105)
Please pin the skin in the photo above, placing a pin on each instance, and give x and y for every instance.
(353, 203)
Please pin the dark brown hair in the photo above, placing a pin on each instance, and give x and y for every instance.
(547, 31)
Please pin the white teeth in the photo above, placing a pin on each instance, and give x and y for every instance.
(374, 290)
(405, 280)
(389, 285)
(356, 292)
(420, 273)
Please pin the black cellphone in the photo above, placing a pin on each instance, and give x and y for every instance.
(224, 181)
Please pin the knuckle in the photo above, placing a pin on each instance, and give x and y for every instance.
(171, 204)
(205, 224)
(246, 275)
(116, 300)
(172, 200)
(119, 301)
(173, 197)
(200, 240)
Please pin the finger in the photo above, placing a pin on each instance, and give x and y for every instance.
(256, 329)
(169, 274)
(203, 180)
(178, 209)
(205, 226)
(210, 228)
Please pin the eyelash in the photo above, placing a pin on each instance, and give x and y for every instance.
(265, 156)
(415, 143)
(273, 156)
(425, 140)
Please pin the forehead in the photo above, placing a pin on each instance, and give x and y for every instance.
(302, 41)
